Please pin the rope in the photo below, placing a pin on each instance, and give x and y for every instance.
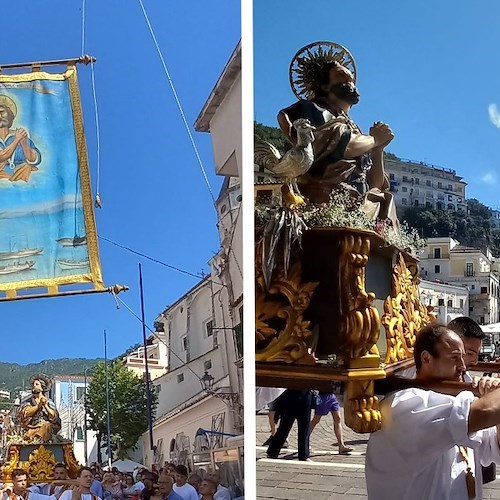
(200, 163)
(83, 27)
(98, 141)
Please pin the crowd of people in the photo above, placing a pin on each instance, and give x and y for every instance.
(171, 482)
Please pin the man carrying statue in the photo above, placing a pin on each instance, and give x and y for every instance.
(323, 76)
(38, 415)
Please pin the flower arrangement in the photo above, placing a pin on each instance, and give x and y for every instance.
(344, 210)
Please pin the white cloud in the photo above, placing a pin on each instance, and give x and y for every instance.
(494, 115)
(489, 178)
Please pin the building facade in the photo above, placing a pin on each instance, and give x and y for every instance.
(157, 357)
(68, 394)
(418, 184)
(446, 261)
(449, 301)
(203, 329)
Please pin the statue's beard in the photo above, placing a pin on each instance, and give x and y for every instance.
(36, 392)
(347, 92)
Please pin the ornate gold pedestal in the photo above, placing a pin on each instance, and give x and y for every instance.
(321, 309)
(38, 460)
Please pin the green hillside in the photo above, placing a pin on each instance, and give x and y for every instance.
(15, 377)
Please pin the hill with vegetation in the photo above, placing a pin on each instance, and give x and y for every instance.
(15, 377)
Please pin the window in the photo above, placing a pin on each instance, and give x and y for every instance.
(440, 302)
(484, 289)
(416, 203)
(417, 181)
(209, 328)
(450, 303)
(473, 287)
(391, 177)
(184, 342)
(428, 182)
(264, 194)
(469, 270)
(404, 189)
(450, 197)
(437, 270)
(461, 302)
(428, 204)
(404, 201)
(481, 320)
(450, 187)
(180, 378)
(437, 253)
(405, 178)
(207, 365)
(459, 189)
(440, 185)
(80, 393)
(79, 434)
(471, 309)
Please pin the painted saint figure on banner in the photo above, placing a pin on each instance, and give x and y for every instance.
(19, 156)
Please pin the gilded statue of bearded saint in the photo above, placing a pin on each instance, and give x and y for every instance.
(38, 415)
(343, 156)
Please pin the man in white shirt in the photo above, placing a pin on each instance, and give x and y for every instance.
(181, 486)
(60, 484)
(19, 488)
(82, 491)
(431, 445)
(222, 492)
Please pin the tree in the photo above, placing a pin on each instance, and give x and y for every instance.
(128, 407)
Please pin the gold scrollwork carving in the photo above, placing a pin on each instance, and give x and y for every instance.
(361, 411)
(360, 325)
(41, 465)
(404, 313)
(72, 465)
(288, 343)
(12, 463)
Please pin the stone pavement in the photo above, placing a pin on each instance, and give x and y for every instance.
(328, 476)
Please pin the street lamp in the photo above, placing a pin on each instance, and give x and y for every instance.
(207, 383)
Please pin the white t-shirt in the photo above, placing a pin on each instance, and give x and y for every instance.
(68, 495)
(222, 493)
(416, 456)
(32, 496)
(45, 489)
(187, 492)
(139, 486)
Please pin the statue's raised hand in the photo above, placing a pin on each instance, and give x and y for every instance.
(382, 134)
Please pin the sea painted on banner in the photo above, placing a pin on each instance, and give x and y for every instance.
(42, 230)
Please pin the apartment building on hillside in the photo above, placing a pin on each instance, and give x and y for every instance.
(418, 184)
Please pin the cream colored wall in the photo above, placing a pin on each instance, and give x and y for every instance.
(225, 129)
(457, 267)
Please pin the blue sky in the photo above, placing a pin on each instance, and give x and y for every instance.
(429, 69)
(153, 194)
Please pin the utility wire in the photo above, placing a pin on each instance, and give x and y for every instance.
(158, 337)
(178, 102)
(198, 276)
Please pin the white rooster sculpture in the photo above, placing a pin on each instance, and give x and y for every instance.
(294, 163)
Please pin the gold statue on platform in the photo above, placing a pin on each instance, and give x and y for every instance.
(38, 416)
